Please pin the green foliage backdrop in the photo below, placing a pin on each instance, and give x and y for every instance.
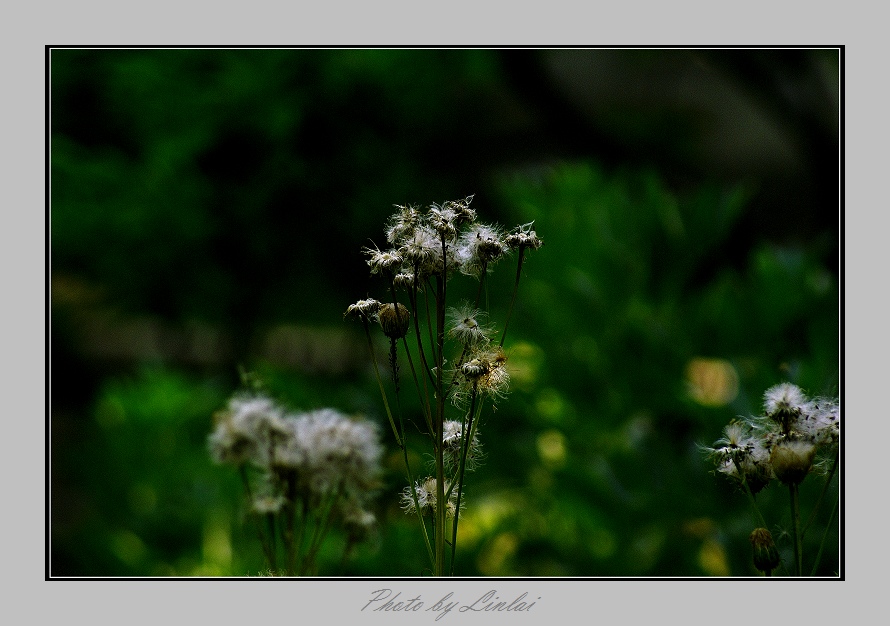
(208, 209)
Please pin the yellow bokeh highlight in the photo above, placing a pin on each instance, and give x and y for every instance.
(523, 363)
(551, 446)
(493, 558)
(712, 559)
(550, 405)
(485, 516)
(712, 382)
(217, 540)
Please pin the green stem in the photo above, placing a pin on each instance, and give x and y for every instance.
(424, 402)
(795, 524)
(429, 327)
(264, 543)
(481, 282)
(824, 536)
(405, 452)
(828, 480)
(439, 569)
(290, 523)
(273, 549)
(467, 436)
(392, 422)
(513, 297)
(750, 495)
(322, 527)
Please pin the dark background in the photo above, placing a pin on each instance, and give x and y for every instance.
(208, 210)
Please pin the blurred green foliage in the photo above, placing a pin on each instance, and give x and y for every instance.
(208, 210)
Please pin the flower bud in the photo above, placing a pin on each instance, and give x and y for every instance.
(766, 556)
(791, 460)
(394, 320)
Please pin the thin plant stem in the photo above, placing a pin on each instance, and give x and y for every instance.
(405, 454)
(304, 518)
(795, 524)
(290, 522)
(424, 402)
(513, 297)
(264, 542)
(413, 297)
(828, 480)
(424, 399)
(825, 536)
(270, 522)
(750, 495)
(430, 325)
(440, 419)
(481, 282)
(322, 527)
(467, 436)
(392, 422)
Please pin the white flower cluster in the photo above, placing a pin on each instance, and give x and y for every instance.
(447, 237)
(782, 443)
(313, 454)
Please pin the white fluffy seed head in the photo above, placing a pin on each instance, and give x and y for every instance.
(246, 429)
(328, 450)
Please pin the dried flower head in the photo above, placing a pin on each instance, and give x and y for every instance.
(480, 247)
(363, 309)
(464, 326)
(523, 237)
(484, 373)
(742, 456)
(443, 220)
(405, 280)
(820, 421)
(453, 444)
(426, 498)
(402, 223)
(387, 261)
(783, 403)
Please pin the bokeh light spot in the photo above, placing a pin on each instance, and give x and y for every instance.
(712, 382)
(552, 447)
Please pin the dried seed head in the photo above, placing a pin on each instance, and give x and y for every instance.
(403, 280)
(465, 327)
(740, 455)
(453, 444)
(524, 237)
(426, 498)
(402, 224)
(474, 368)
(363, 309)
(387, 261)
(443, 220)
(394, 320)
(480, 247)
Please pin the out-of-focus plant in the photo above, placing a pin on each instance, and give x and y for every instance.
(302, 473)
(794, 437)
